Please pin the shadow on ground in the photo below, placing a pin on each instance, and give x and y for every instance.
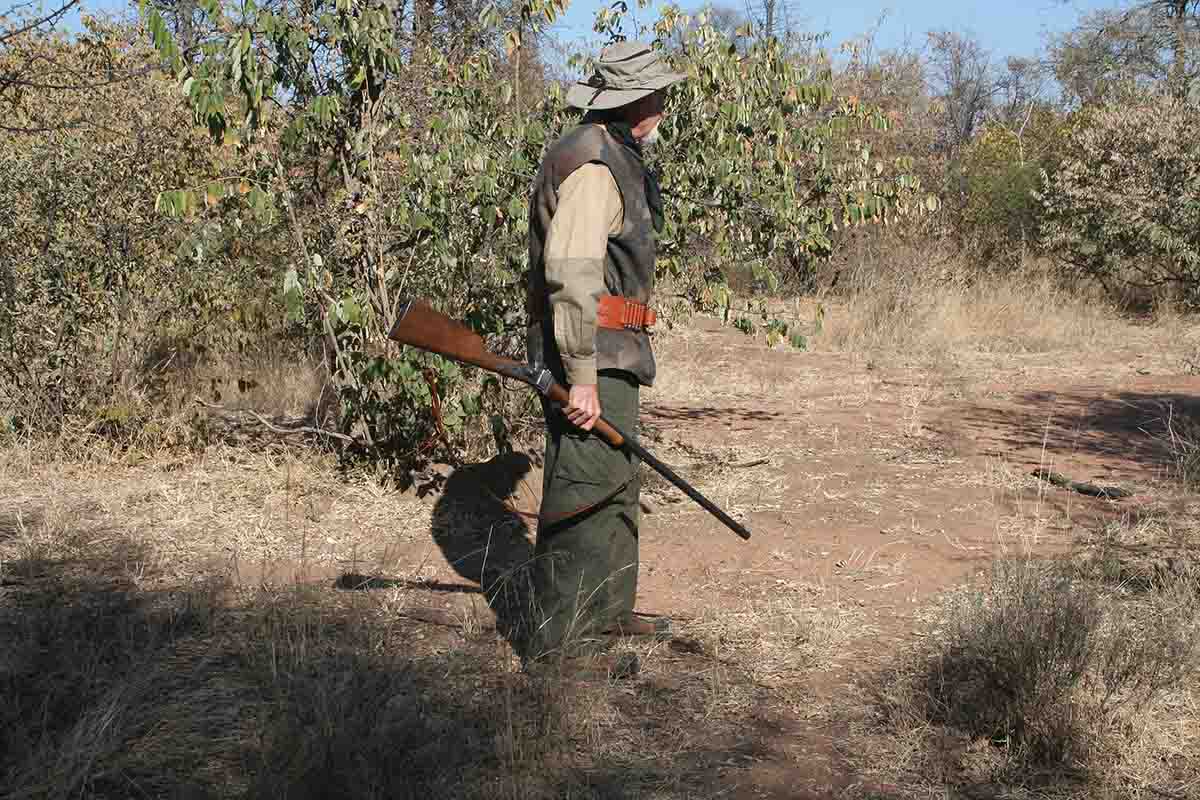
(106, 691)
(1110, 429)
(484, 538)
(114, 685)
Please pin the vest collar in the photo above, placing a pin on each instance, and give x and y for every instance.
(620, 130)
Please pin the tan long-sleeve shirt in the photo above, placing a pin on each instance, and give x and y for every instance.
(589, 211)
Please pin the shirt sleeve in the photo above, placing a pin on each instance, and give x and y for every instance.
(589, 211)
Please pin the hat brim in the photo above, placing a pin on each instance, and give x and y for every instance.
(591, 98)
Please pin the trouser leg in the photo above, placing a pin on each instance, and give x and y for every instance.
(586, 556)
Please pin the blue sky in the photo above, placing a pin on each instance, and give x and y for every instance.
(1007, 27)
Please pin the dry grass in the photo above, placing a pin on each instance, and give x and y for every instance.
(165, 636)
(275, 517)
(1068, 678)
(740, 373)
(941, 308)
(779, 635)
(154, 407)
(925, 315)
(177, 629)
(1182, 438)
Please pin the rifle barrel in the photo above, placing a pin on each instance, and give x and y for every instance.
(615, 437)
(683, 486)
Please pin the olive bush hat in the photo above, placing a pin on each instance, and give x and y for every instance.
(627, 71)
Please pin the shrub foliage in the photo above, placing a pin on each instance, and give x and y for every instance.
(391, 185)
(101, 294)
(1123, 207)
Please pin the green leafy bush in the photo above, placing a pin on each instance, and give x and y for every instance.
(100, 294)
(1123, 207)
(393, 183)
(1000, 172)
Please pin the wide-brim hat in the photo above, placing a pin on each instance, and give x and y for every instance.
(626, 71)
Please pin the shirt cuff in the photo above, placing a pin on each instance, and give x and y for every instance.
(580, 371)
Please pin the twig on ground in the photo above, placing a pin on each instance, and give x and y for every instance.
(1090, 489)
(747, 464)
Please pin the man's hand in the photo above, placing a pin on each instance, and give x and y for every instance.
(584, 408)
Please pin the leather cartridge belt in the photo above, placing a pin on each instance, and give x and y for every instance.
(616, 313)
(620, 313)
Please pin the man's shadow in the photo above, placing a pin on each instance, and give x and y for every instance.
(483, 537)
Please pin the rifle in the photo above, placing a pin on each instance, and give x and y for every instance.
(418, 325)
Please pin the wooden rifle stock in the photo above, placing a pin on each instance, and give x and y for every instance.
(418, 325)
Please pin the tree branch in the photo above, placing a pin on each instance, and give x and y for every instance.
(272, 427)
(51, 17)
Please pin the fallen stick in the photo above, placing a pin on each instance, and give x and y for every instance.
(758, 462)
(1090, 489)
(272, 427)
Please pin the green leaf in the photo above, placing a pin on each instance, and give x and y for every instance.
(293, 295)
(723, 297)
(515, 208)
(352, 311)
(472, 405)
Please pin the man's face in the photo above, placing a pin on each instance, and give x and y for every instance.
(648, 113)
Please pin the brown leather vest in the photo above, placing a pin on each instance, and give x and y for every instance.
(629, 261)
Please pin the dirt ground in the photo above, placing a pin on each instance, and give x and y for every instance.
(871, 486)
(870, 489)
(886, 485)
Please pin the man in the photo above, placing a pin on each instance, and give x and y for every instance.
(595, 211)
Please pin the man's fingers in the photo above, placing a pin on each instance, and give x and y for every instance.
(583, 417)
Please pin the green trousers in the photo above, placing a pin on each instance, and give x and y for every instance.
(586, 556)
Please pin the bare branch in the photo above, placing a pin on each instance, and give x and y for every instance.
(53, 16)
(272, 427)
(962, 72)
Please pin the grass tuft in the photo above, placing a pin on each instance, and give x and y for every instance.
(1064, 675)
